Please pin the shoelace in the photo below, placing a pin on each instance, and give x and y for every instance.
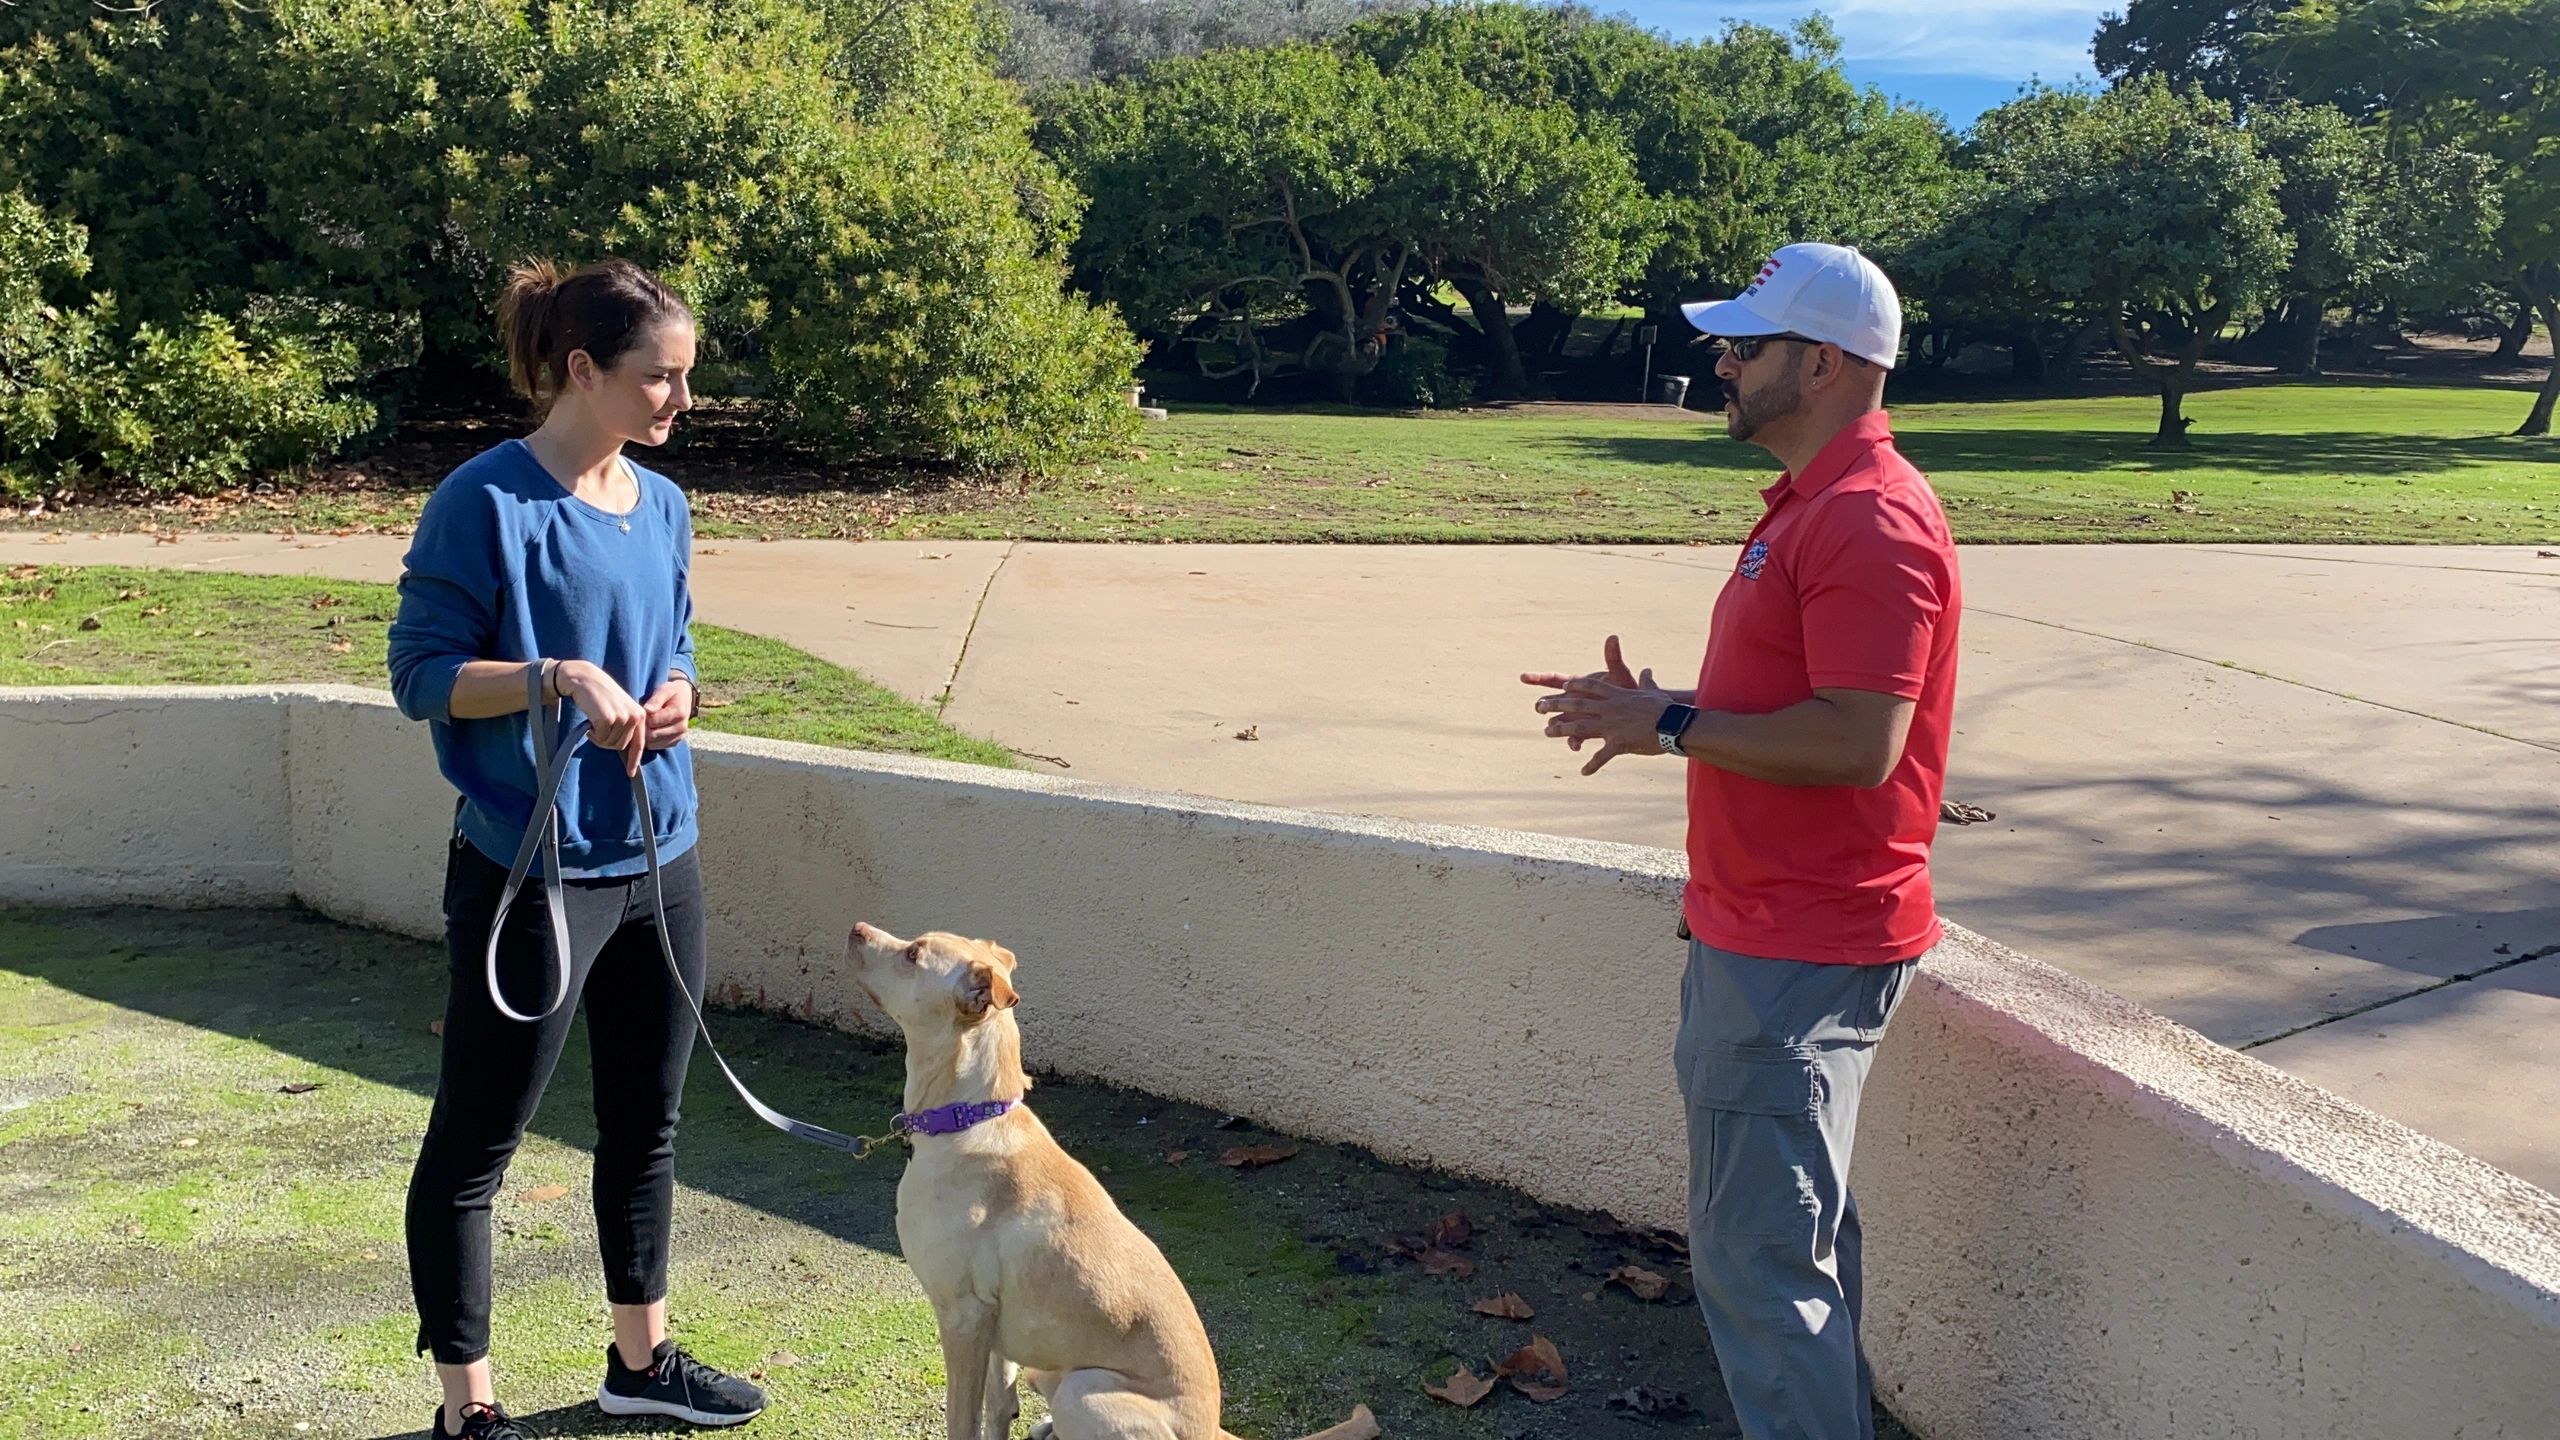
(681, 1366)
(489, 1422)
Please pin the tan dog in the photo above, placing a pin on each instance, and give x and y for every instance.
(1030, 1267)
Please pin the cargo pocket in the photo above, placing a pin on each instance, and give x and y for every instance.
(1759, 1171)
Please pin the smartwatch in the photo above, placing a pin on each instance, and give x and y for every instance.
(1675, 720)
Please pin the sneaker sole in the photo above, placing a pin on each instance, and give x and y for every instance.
(613, 1404)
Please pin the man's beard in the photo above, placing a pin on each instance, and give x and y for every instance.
(1772, 402)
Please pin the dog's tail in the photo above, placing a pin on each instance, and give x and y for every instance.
(1361, 1426)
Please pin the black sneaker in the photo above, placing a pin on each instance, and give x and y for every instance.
(484, 1422)
(678, 1385)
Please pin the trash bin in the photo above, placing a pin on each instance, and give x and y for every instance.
(1671, 389)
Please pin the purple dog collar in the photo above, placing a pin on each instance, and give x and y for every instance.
(949, 1119)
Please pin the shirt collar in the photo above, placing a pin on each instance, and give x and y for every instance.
(1836, 456)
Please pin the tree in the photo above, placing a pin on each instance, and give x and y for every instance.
(1078, 41)
(2367, 225)
(1306, 186)
(2208, 44)
(2478, 75)
(845, 193)
(2150, 208)
(1741, 143)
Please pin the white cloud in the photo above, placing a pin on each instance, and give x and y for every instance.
(1994, 39)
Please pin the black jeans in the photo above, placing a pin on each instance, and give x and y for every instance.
(640, 1031)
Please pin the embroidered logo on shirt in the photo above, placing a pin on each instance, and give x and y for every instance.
(1755, 558)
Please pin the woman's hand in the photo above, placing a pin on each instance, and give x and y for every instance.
(670, 708)
(615, 721)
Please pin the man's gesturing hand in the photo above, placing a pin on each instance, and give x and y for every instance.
(1612, 706)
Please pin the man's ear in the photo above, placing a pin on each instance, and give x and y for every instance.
(983, 988)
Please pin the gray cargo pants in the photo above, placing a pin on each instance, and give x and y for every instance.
(1772, 1055)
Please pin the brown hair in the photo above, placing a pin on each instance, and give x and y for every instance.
(603, 308)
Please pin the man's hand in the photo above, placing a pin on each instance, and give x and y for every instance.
(670, 711)
(1612, 705)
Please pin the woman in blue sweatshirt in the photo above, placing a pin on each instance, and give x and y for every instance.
(555, 559)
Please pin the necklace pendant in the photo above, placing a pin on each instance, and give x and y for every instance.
(626, 527)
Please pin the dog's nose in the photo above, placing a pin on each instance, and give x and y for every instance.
(861, 930)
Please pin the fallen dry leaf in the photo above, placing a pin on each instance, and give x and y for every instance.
(166, 537)
(1446, 1262)
(1452, 1231)
(541, 1193)
(1535, 1370)
(154, 612)
(2546, 554)
(1955, 812)
(711, 702)
(435, 1027)
(29, 572)
(341, 647)
(1505, 1306)
(131, 594)
(198, 634)
(1250, 732)
(46, 593)
(1462, 1389)
(51, 537)
(1176, 1157)
(784, 1359)
(297, 1087)
(1644, 1283)
(324, 600)
(90, 622)
(1254, 1157)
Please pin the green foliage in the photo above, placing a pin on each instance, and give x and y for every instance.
(1305, 184)
(192, 407)
(2142, 208)
(1415, 375)
(2481, 76)
(842, 190)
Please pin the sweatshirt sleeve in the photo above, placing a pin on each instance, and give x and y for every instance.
(684, 593)
(448, 600)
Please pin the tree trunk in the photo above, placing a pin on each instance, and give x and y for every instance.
(2539, 422)
(2173, 425)
(2297, 336)
(1547, 330)
(2519, 330)
(2026, 358)
(1509, 379)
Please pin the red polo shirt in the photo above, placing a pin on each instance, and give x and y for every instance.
(1848, 582)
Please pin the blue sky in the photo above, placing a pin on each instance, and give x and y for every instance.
(1957, 56)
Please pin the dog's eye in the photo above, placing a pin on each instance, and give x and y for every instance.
(915, 952)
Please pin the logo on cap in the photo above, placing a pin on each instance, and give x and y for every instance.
(1763, 277)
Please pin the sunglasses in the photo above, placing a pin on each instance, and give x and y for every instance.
(1747, 348)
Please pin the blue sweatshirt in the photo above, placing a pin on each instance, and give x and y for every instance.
(507, 565)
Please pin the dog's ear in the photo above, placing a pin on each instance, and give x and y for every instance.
(1005, 958)
(984, 988)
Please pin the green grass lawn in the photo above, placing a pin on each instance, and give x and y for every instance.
(2269, 463)
(100, 625)
(194, 1250)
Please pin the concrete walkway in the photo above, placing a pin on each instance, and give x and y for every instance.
(2306, 800)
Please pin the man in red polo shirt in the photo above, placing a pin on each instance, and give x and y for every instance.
(1816, 750)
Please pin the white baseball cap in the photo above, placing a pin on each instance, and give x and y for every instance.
(1822, 292)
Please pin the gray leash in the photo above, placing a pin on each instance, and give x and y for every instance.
(552, 765)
